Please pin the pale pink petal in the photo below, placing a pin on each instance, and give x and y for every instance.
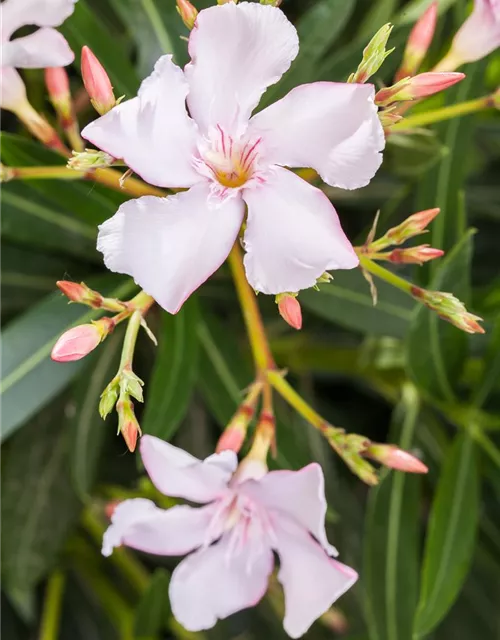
(42, 13)
(480, 33)
(237, 51)
(331, 127)
(214, 583)
(12, 89)
(170, 246)
(293, 235)
(311, 580)
(43, 48)
(152, 133)
(176, 473)
(140, 524)
(299, 494)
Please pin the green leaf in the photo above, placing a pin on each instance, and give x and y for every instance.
(451, 535)
(380, 13)
(153, 608)
(347, 301)
(491, 372)
(85, 425)
(392, 539)
(84, 28)
(39, 505)
(29, 377)
(174, 375)
(436, 368)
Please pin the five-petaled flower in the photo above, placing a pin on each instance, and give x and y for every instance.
(227, 159)
(46, 47)
(246, 516)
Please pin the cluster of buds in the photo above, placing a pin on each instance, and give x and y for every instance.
(89, 159)
(448, 308)
(353, 449)
(289, 309)
(97, 83)
(374, 55)
(418, 43)
(415, 225)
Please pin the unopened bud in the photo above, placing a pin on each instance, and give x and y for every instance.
(89, 159)
(97, 83)
(412, 226)
(127, 423)
(324, 278)
(414, 255)
(6, 173)
(419, 41)
(78, 342)
(388, 117)
(392, 456)
(109, 509)
(80, 293)
(108, 398)
(131, 384)
(57, 82)
(289, 309)
(374, 55)
(421, 86)
(449, 308)
(232, 439)
(187, 12)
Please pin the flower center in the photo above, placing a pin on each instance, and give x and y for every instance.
(229, 161)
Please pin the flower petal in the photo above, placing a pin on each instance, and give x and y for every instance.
(212, 583)
(152, 133)
(299, 494)
(237, 51)
(170, 246)
(332, 127)
(140, 524)
(44, 48)
(42, 13)
(293, 235)
(12, 89)
(311, 580)
(177, 473)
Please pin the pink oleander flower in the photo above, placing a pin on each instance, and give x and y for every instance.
(43, 48)
(229, 161)
(480, 33)
(246, 516)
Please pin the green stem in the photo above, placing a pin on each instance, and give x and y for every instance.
(51, 616)
(385, 274)
(445, 113)
(296, 401)
(41, 173)
(134, 324)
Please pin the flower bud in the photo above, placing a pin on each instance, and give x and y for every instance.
(109, 509)
(412, 226)
(80, 293)
(127, 423)
(108, 398)
(373, 55)
(232, 439)
(419, 41)
(76, 343)
(448, 308)
(392, 456)
(289, 309)
(57, 82)
(187, 12)
(89, 159)
(388, 117)
(414, 255)
(324, 278)
(6, 173)
(477, 37)
(421, 86)
(97, 83)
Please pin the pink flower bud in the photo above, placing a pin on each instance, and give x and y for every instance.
(109, 509)
(97, 82)
(289, 309)
(57, 82)
(127, 423)
(231, 440)
(412, 226)
(414, 255)
(187, 12)
(76, 343)
(419, 41)
(477, 37)
(80, 293)
(392, 456)
(421, 86)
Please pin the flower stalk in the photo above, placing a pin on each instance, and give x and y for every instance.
(51, 617)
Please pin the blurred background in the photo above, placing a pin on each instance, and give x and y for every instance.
(427, 548)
